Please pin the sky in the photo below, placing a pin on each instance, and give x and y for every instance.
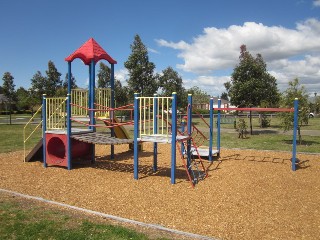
(199, 39)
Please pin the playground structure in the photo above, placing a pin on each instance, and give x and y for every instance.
(62, 143)
(153, 123)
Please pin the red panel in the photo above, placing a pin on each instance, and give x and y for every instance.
(56, 149)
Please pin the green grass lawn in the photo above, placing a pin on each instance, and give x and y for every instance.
(27, 220)
(271, 138)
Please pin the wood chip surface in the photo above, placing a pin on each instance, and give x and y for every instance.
(248, 194)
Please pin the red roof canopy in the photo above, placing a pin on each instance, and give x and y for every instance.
(90, 50)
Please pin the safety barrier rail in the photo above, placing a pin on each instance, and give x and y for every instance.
(156, 120)
(56, 113)
(33, 130)
(80, 97)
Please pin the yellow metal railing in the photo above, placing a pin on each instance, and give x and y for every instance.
(79, 97)
(56, 112)
(147, 117)
(33, 130)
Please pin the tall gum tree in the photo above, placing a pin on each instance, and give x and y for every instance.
(251, 84)
(8, 90)
(141, 71)
(170, 82)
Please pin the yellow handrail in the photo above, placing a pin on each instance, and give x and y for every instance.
(147, 118)
(25, 139)
(56, 113)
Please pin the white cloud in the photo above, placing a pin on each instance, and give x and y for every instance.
(219, 49)
(316, 3)
(122, 76)
(153, 50)
(211, 84)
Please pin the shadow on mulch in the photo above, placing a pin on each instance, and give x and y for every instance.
(216, 164)
(123, 162)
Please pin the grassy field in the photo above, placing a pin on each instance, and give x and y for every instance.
(271, 138)
(24, 219)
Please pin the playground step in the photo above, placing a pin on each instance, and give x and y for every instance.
(203, 151)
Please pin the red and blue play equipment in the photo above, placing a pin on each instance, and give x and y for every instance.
(61, 149)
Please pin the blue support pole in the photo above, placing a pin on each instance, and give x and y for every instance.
(112, 105)
(218, 129)
(69, 77)
(155, 131)
(91, 103)
(44, 129)
(189, 123)
(211, 129)
(173, 137)
(136, 135)
(295, 129)
(69, 156)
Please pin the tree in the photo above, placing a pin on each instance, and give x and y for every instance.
(38, 87)
(121, 93)
(198, 96)
(63, 91)
(314, 105)
(73, 82)
(104, 74)
(22, 99)
(287, 101)
(251, 83)
(141, 77)
(8, 89)
(170, 82)
(53, 81)
(224, 96)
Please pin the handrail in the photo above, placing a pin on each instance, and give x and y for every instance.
(25, 139)
(55, 117)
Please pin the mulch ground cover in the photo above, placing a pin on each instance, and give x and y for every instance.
(248, 194)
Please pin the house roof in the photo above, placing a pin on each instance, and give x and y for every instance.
(89, 51)
(223, 101)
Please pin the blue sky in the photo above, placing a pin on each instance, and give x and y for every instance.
(199, 39)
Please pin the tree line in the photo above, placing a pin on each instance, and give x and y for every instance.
(250, 85)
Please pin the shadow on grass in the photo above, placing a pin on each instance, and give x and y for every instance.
(303, 142)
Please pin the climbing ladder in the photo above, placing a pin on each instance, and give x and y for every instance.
(194, 167)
